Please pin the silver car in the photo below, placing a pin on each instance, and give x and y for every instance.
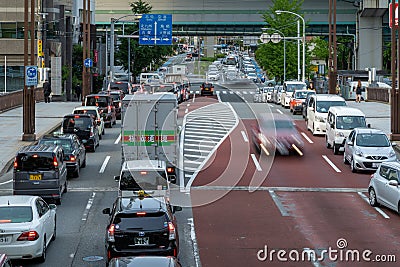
(367, 148)
(384, 186)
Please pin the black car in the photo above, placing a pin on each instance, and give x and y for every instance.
(140, 261)
(117, 96)
(84, 127)
(106, 106)
(74, 150)
(206, 88)
(124, 86)
(141, 225)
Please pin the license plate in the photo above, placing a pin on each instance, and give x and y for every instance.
(5, 239)
(141, 240)
(35, 177)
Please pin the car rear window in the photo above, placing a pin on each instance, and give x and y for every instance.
(64, 143)
(13, 214)
(34, 162)
(147, 180)
(84, 111)
(79, 123)
(149, 221)
(99, 101)
(119, 86)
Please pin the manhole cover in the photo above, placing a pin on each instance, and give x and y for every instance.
(93, 258)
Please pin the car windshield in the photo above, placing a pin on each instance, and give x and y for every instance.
(34, 162)
(323, 106)
(295, 86)
(64, 143)
(372, 140)
(350, 122)
(15, 214)
(301, 94)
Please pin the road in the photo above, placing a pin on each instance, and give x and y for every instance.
(237, 203)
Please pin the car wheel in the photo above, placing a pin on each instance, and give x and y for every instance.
(42, 258)
(372, 197)
(54, 230)
(327, 143)
(345, 161)
(335, 149)
(353, 166)
(84, 163)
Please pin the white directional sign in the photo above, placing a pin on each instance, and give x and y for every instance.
(265, 38)
(31, 75)
(276, 38)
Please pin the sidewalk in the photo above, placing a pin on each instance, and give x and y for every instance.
(48, 117)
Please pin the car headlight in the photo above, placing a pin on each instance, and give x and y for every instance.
(359, 153)
(392, 154)
(340, 134)
(319, 118)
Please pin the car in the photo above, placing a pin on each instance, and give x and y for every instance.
(74, 150)
(277, 133)
(278, 94)
(305, 103)
(266, 92)
(5, 261)
(288, 89)
(367, 148)
(117, 96)
(40, 170)
(206, 88)
(28, 225)
(84, 127)
(297, 100)
(213, 76)
(384, 187)
(95, 113)
(139, 261)
(141, 225)
(124, 86)
(106, 106)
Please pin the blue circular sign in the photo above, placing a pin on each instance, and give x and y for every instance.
(88, 63)
(31, 72)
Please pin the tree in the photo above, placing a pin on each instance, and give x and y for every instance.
(141, 56)
(270, 55)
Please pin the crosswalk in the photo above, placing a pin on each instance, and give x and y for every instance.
(231, 92)
(204, 130)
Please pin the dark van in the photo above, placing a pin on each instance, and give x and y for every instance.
(40, 170)
(106, 106)
(84, 127)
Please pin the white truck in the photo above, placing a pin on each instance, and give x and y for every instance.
(149, 138)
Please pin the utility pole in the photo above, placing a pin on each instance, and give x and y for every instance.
(86, 49)
(28, 120)
(395, 67)
(332, 62)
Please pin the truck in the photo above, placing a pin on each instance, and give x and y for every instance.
(149, 139)
(179, 69)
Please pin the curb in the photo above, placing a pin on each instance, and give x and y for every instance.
(7, 167)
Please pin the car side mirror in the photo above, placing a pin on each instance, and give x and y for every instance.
(107, 211)
(350, 143)
(393, 183)
(394, 144)
(52, 206)
(368, 125)
(116, 178)
(176, 208)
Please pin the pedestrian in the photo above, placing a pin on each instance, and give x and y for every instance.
(78, 92)
(263, 78)
(46, 91)
(358, 91)
(337, 89)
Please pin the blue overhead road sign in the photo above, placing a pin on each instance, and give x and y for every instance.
(155, 29)
(31, 75)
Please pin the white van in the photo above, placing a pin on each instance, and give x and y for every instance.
(149, 78)
(339, 123)
(288, 88)
(317, 111)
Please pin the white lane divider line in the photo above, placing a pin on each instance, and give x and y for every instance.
(103, 167)
(88, 206)
(376, 208)
(188, 105)
(186, 111)
(271, 105)
(224, 92)
(278, 203)
(6, 182)
(331, 163)
(244, 136)
(117, 140)
(194, 97)
(279, 111)
(307, 138)
(196, 253)
(258, 166)
(218, 96)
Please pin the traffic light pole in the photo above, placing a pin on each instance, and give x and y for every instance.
(395, 67)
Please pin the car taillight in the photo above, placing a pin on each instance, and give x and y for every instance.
(55, 162)
(15, 163)
(171, 229)
(91, 132)
(120, 104)
(72, 158)
(141, 213)
(109, 109)
(170, 170)
(110, 233)
(28, 236)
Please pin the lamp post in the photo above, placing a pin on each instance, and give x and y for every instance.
(304, 39)
(284, 49)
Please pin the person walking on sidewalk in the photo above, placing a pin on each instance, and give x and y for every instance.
(46, 91)
(358, 92)
(78, 92)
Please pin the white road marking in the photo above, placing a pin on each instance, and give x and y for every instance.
(188, 105)
(198, 145)
(244, 136)
(117, 140)
(194, 242)
(103, 167)
(331, 163)
(6, 182)
(186, 111)
(88, 206)
(279, 111)
(307, 138)
(282, 189)
(376, 208)
(271, 105)
(231, 92)
(197, 150)
(258, 166)
(194, 97)
(224, 92)
(278, 203)
(245, 92)
(218, 96)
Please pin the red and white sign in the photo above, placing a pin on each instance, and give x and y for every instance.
(396, 14)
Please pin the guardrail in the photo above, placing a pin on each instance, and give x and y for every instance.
(15, 99)
(378, 94)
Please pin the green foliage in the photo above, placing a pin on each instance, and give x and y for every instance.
(77, 65)
(220, 55)
(210, 59)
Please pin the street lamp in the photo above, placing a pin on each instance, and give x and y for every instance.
(112, 45)
(304, 39)
(284, 49)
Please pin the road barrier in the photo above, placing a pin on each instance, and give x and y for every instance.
(378, 94)
(15, 99)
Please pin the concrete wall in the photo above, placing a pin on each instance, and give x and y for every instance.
(369, 42)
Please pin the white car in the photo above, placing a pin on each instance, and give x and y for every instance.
(213, 76)
(28, 225)
(94, 111)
